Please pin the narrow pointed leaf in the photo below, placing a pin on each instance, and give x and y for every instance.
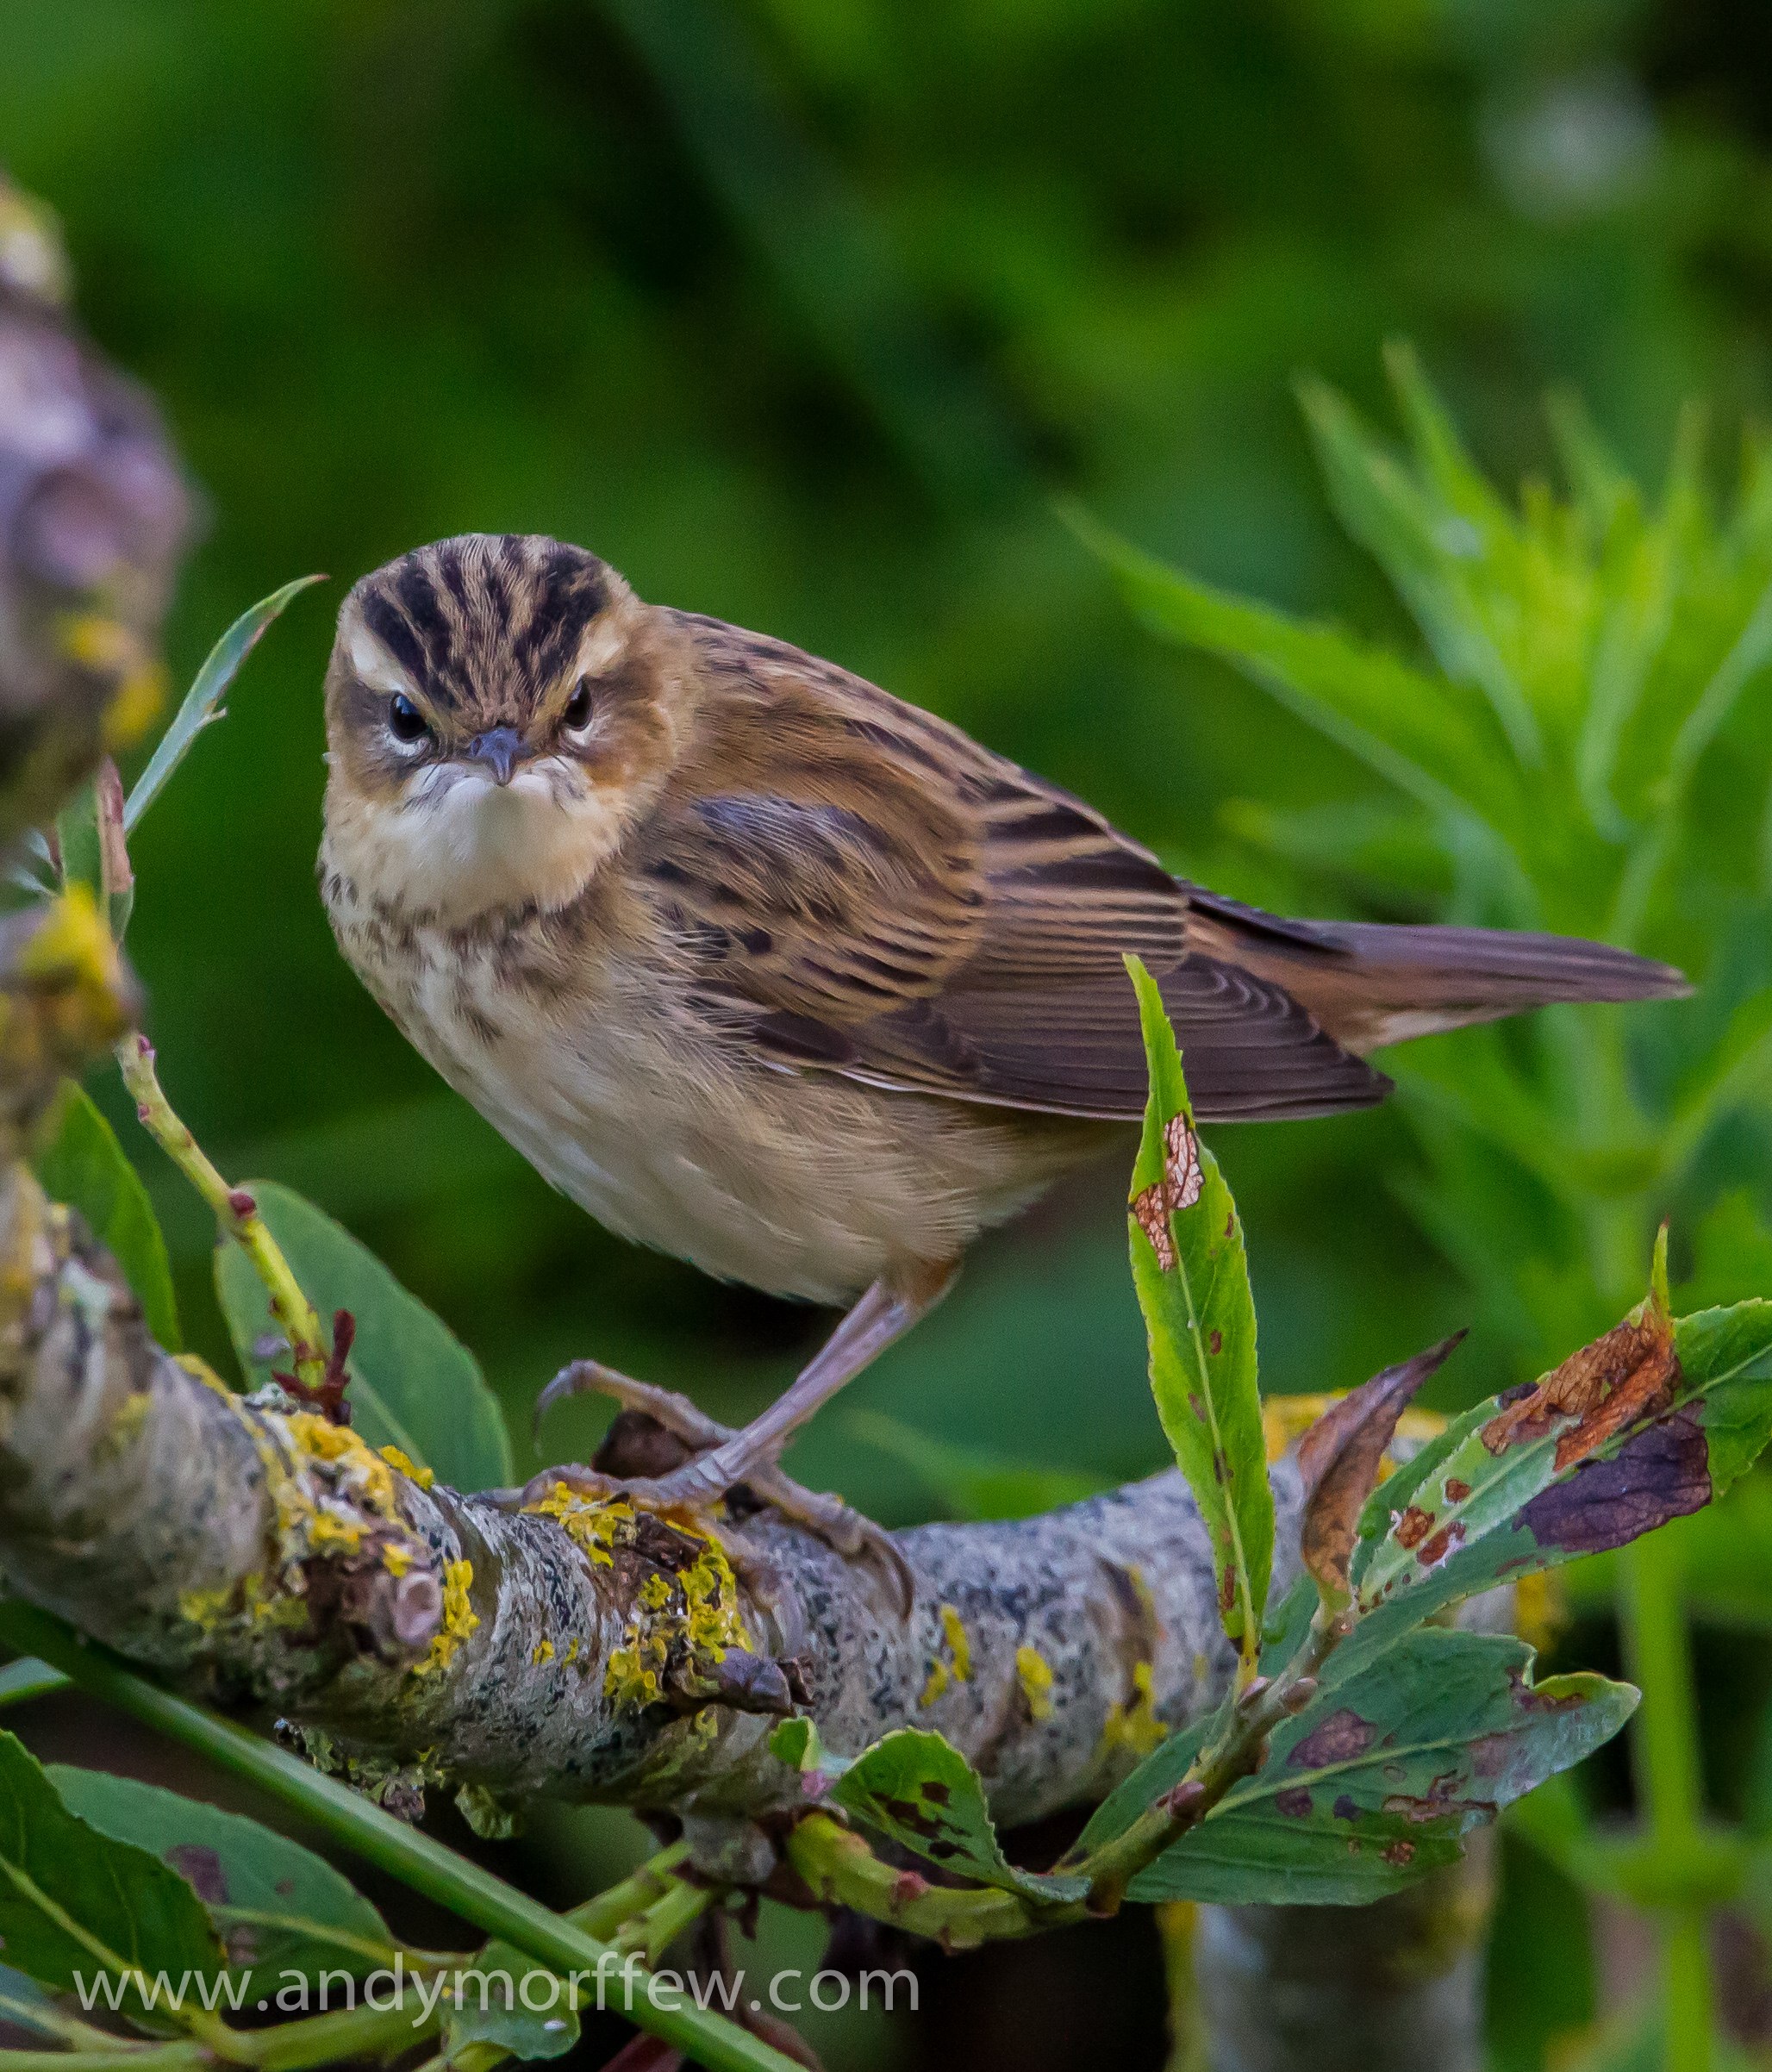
(1420, 733)
(1193, 1285)
(413, 1384)
(202, 701)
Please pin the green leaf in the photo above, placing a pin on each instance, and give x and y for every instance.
(1438, 544)
(1487, 1503)
(1193, 1285)
(202, 701)
(487, 2006)
(82, 1164)
(919, 1791)
(275, 1905)
(413, 1384)
(73, 1900)
(1418, 732)
(972, 1482)
(1383, 1773)
(26, 1679)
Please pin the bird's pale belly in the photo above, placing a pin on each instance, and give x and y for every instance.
(801, 1183)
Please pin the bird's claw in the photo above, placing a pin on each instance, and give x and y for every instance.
(662, 1420)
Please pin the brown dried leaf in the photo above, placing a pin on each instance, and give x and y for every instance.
(1340, 1458)
(1628, 1375)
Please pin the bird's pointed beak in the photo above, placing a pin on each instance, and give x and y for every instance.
(498, 748)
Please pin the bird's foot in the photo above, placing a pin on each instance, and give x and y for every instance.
(662, 1455)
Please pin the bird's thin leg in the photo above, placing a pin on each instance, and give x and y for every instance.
(882, 1313)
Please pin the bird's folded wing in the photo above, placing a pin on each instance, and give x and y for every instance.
(863, 890)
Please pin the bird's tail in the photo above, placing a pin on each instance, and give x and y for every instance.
(1369, 984)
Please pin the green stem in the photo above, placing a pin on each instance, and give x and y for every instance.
(425, 1865)
(1670, 1784)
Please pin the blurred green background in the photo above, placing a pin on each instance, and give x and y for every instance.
(803, 315)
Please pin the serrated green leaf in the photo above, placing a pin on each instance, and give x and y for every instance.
(1391, 1765)
(1200, 1321)
(81, 1162)
(202, 701)
(74, 1901)
(1486, 1502)
(920, 1792)
(275, 1905)
(486, 2005)
(413, 1384)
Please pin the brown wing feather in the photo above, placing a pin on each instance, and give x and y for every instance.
(867, 890)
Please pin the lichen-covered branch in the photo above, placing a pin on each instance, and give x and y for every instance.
(577, 1649)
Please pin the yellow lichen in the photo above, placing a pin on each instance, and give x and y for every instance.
(595, 1525)
(1135, 1726)
(938, 1682)
(396, 1559)
(423, 1477)
(460, 1618)
(958, 1646)
(1035, 1675)
(573, 1647)
(693, 1614)
(542, 1651)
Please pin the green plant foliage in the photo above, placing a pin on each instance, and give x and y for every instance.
(486, 2006)
(413, 1384)
(921, 1792)
(74, 1899)
(202, 706)
(275, 1905)
(1511, 1487)
(1377, 1779)
(80, 1162)
(1192, 1279)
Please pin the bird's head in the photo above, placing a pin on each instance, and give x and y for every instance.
(500, 710)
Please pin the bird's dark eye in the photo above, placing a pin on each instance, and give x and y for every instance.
(406, 722)
(577, 712)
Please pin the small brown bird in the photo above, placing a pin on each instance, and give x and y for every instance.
(768, 970)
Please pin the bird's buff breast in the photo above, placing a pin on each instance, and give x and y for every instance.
(616, 1090)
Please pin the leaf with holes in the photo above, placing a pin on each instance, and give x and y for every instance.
(274, 1904)
(202, 701)
(1193, 1285)
(413, 1384)
(1381, 1775)
(921, 1792)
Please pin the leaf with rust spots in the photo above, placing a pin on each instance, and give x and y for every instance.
(1192, 1279)
(1380, 1776)
(919, 1790)
(275, 1905)
(1156, 1207)
(1619, 1380)
(1648, 1424)
(1340, 1458)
